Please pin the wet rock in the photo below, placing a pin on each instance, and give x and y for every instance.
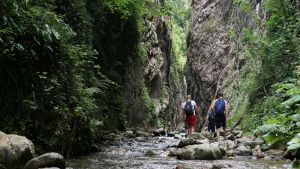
(243, 140)
(230, 153)
(129, 134)
(239, 135)
(141, 139)
(259, 141)
(46, 160)
(159, 132)
(95, 148)
(140, 133)
(231, 137)
(237, 132)
(243, 151)
(181, 130)
(200, 152)
(217, 166)
(187, 142)
(174, 152)
(249, 141)
(150, 153)
(258, 153)
(207, 135)
(228, 144)
(274, 153)
(15, 150)
(171, 134)
(197, 136)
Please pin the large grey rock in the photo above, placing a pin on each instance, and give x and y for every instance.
(46, 160)
(207, 135)
(251, 142)
(141, 133)
(187, 142)
(243, 151)
(258, 153)
(15, 150)
(275, 153)
(129, 133)
(200, 152)
(197, 136)
(159, 132)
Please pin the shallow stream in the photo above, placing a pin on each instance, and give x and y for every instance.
(152, 153)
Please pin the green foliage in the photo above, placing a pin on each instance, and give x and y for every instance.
(151, 117)
(61, 62)
(268, 92)
(180, 13)
(294, 144)
(281, 117)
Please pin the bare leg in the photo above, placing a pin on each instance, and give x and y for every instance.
(192, 129)
(218, 134)
(225, 133)
(189, 131)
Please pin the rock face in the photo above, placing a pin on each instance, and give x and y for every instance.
(211, 60)
(157, 77)
(15, 150)
(46, 160)
(152, 74)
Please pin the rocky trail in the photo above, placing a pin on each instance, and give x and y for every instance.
(140, 150)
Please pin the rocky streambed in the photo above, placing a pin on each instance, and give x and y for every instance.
(147, 151)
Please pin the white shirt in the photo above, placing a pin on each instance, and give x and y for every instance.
(193, 104)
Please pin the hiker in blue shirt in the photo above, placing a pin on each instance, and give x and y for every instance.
(210, 121)
(220, 108)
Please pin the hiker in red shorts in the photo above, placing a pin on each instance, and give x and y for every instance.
(189, 110)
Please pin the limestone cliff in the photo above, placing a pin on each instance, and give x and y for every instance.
(162, 89)
(212, 64)
(152, 75)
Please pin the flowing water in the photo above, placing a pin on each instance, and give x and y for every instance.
(152, 153)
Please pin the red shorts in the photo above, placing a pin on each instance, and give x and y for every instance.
(191, 120)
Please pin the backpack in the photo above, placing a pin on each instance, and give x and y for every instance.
(189, 108)
(211, 117)
(219, 107)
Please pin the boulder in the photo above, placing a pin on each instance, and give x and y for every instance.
(197, 136)
(200, 152)
(218, 166)
(191, 141)
(159, 132)
(46, 160)
(228, 144)
(140, 133)
(171, 134)
(150, 153)
(275, 153)
(129, 134)
(258, 153)
(243, 151)
(251, 142)
(187, 142)
(174, 152)
(207, 135)
(15, 150)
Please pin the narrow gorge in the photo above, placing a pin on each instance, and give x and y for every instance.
(88, 84)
